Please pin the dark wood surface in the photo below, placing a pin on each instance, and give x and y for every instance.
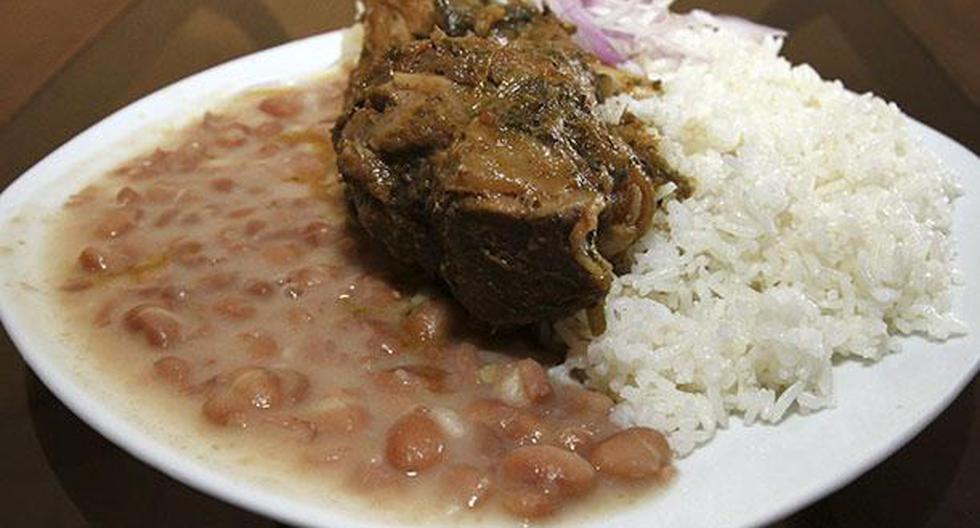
(64, 70)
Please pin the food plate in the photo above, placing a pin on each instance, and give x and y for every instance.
(745, 476)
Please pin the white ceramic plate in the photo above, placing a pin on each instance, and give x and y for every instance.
(746, 476)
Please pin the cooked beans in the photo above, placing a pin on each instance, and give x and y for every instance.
(93, 260)
(258, 288)
(227, 262)
(341, 411)
(413, 377)
(319, 233)
(115, 224)
(234, 308)
(513, 424)
(587, 401)
(260, 345)
(635, 453)
(522, 383)
(159, 327)
(224, 185)
(549, 468)
(415, 443)
(577, 438)
(466, 486)
(253, 389)
(430, 323)
(536, 478)
(127, 196)
(173, 370)
(343, 418)
(534, 380)
(284, 105)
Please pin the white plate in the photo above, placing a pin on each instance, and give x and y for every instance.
(746, 476)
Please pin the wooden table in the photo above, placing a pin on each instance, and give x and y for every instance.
(66, 64)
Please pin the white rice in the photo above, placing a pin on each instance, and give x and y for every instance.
(820, 228)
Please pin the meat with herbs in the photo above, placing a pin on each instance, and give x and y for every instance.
(471, 147)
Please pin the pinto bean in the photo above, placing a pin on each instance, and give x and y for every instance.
(413, 377)
(534, 380)
(253, 389)
(234, 308)
(635, 453)
(258, 287)
(159, 194)
(235, 135)
(549, 468)
(172, 370)
(284, 105)
(588, 401)
(520, 383)
(536, 478)
(415, 442)
(577, 438)
(186, 158)
(430, 323)
(216, 281)
(127, 196)
(304, 279)
(466, 486)
(280, 254)
(165, 217)
(252, 227)
(464, 365)
(299, 317)
(507, 422)
(174, 294)
(383, 340)
(224, 185)
(265, 131)
(260, 345)
(241, 212)
(295, 385)
(114, 224)
(93, 260)
(319, 233)
(341, 413)
(185, 249)
(159, 326)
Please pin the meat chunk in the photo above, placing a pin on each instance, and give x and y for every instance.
(470, 147)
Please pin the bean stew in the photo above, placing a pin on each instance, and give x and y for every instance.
(222, 266)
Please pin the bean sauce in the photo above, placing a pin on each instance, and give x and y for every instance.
(222, 268)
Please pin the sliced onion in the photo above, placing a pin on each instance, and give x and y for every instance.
(617, 31)
(589, 34)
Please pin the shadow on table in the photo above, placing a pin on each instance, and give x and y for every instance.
(111, 488)
(152, 44)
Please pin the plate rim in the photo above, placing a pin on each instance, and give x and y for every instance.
(166, 458)
(70, 391)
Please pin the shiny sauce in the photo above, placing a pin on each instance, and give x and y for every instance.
(220, 272)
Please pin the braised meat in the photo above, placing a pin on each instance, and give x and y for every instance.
(470, 146)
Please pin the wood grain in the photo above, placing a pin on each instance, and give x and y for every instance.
(38, 37)
(950, 30)
(68, 63)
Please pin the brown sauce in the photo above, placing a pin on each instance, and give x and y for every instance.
(222, 269)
